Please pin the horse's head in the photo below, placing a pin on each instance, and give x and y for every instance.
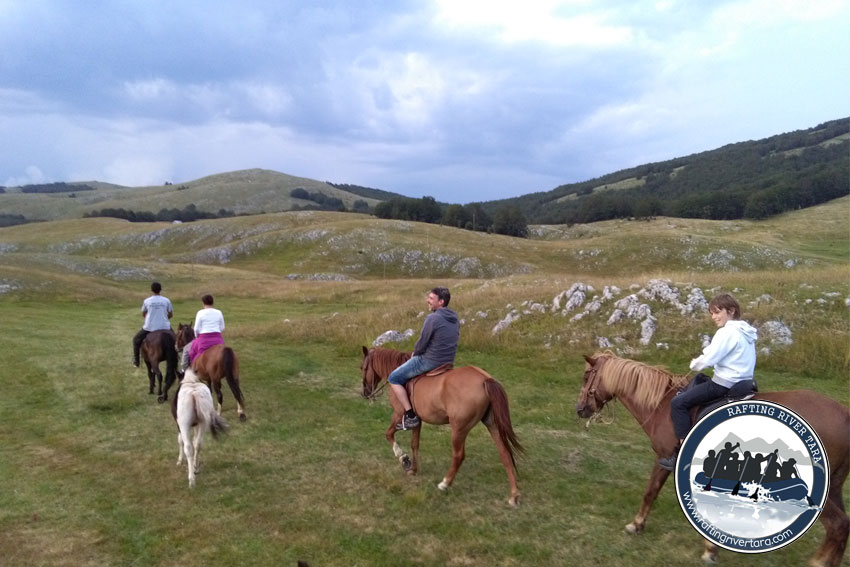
(371, 379)
(185, 334)
(593, 395)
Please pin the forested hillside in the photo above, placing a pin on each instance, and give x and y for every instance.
(754, 179)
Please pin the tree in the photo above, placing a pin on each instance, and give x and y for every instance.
(510, 221)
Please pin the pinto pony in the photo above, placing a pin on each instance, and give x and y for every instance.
(217, 363)
(194, 413)
(461, 397)
(157, 347)
(647, 391)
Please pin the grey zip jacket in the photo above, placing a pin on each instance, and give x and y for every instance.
(438, 340)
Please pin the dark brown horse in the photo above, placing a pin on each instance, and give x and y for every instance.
(157, 347)
(646, 392)
(461, 397)
(217, 363)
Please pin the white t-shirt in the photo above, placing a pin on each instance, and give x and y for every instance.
(209, 320)
(156, 309)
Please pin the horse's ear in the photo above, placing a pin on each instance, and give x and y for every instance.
(365, 351)
(590, 361)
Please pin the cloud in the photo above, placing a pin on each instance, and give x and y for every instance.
(459, 100)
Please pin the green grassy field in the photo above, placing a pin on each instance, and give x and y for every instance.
(88, 457)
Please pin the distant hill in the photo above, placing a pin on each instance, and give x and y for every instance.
(754, 179)
(251, 191)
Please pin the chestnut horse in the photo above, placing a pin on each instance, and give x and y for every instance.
(647, 391)
(460, 397)
(214, 364)
(157, 347)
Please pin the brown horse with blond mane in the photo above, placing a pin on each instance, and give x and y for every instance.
(460, 397)
(646, 391)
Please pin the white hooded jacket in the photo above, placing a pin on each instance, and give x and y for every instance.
(732, 353)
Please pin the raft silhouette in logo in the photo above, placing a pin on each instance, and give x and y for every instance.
(752, 476)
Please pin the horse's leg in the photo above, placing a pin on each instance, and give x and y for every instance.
(179, 448)
(197, 442)
(151, 376)
(218, 396)
(159, 384)
(414, 448)
(233, 382)
(459, 433)
(656, 481)
(710, 553)
(507, 461)
(190, 455)
(402, 457)
(836, 526)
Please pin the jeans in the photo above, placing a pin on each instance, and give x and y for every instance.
(682, 403)
(410, 369)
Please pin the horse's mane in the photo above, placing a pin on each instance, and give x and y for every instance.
(385, 360)
(643, 384)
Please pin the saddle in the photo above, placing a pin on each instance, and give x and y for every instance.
(441, 369)
(743, 390)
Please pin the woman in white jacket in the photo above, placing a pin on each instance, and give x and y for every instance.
(732, 354)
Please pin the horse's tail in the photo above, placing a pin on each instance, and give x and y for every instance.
(231, 373)
(218, 425)
(501, 413)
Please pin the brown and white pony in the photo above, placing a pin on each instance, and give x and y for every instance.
(195, 415)
(461, 397)
(646, 391)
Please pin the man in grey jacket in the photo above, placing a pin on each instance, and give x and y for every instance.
(437, 345)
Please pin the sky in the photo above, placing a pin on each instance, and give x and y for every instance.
(460, 100)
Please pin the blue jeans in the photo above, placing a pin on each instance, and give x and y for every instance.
(682, 403)
(410, 369)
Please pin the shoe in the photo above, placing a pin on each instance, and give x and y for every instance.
(669, 463)
(408, 423)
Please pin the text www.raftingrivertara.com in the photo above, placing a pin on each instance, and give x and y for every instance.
(723, 538)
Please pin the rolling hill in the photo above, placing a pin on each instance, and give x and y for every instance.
(754, 179)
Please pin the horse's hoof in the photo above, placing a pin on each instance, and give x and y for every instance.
(633, 529)
(513, 501)
(161, 399)
(443, 486)
(709, 558)
(406, 463)
(243, 418)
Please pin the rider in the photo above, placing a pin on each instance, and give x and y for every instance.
(732, 353)
(209, 323)
(437, 345)
(156, 310)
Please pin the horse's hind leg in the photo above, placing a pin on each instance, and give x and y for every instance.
(837, 527)
(459, 434)
(218, 396)
(151, 377)
(507, 461)
(656, 481)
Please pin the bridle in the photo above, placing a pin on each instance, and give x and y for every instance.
(376, 390)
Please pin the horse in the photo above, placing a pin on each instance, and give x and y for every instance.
(158, 346)
(214, 364)
(193, 410)
(461, 397)
(647, 391)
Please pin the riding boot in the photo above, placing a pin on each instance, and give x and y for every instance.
(669, 463)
